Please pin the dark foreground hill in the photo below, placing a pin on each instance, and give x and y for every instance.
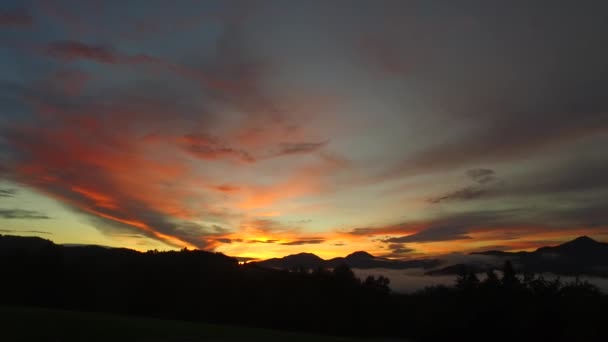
(58, 325)
(186, 285)
(199, 286)
(581, 256)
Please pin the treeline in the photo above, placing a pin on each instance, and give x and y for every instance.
(507, 307)
(186, 285)
(210, 287)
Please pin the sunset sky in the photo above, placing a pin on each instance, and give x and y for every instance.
(266, 128)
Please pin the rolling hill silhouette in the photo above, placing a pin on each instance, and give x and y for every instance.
(306, 260)
(200, 286)
(360, 259)
(581, 256)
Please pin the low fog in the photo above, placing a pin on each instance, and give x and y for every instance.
(411, 280)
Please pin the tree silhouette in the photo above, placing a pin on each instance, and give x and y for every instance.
(509, 277)
(344, 274)
(467, 280)
(200, 286)
(379, 284)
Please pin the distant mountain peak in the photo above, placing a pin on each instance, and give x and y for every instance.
(359, 259)
(303, 257)
(583, 239)
(582, 255)
(360, 255)
(305, 254)
(583, 244)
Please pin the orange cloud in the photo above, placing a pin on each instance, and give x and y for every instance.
(111, 176)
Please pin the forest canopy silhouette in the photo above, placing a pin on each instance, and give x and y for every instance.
(196, 285)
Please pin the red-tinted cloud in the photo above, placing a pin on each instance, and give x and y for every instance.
(106, 171)
(19, 19)
(70, 51)
(73, 50)
(211, 148)
(226, 188)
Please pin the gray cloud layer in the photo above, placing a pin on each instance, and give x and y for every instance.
(8, 192)
(22, 214)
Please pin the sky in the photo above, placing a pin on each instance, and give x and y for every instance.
(264, 128)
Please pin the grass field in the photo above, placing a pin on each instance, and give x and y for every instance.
(42, 325)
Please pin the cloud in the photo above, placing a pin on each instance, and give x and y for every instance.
(82, 164)
(8, 192)
(77, 135)
(22, 214)
(219, 230)
(399, 249)
(262, 241)
(132, 236)
(88, 153)
(482, 176)
(36, 231)
(385, 230)
(509, 225)
(74, 50)
(580, 176)
(303, 181)
(509, 138)
(302, 221)
(304, 241)
(88, 146)
(226, 188)
(269, 226)
(503, 112)
(362, 231)
(211, 148)
(71, 51)
(432, 234)
(17, 19)
(590, 214)
(300, 147)
(577, 174)
(447, 227)
(227, 240)
(464, 194)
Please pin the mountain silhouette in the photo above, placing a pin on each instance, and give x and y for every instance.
(581, 248)
(306, 260)
(23, 244)
(99, 255)
(360, 259)
(581, 256)
(360, 255)
(199, 286)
